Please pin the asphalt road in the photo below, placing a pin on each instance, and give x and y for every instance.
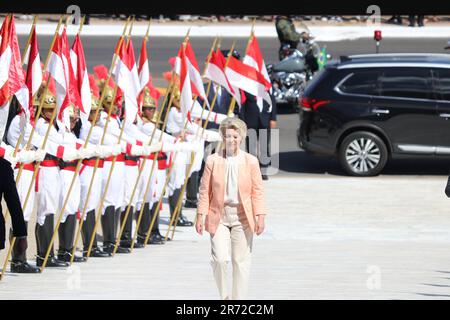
(292, 160)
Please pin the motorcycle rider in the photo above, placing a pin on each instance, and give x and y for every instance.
(287, 34)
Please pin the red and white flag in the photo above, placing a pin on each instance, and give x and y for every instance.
(60, 68)
(248, 79)
(127, 79)
(34, 76)
(80, 71)
(185, 89)
(215, 71)
(145, 78)
(254, 59)
(12, 77)
(194, 71)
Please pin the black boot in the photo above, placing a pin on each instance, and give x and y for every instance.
(87, 231)
(44, 235)
(145, 224)
(182, 220)
(66, 233)
(19, 262)
(191, 191)
(108, 225)
(127, 225)
(155, 236)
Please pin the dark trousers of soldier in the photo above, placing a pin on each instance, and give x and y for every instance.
(15, 256)
(110, 224)
(182, 220)
(260, 148)
(66, 233)
(44, 235)
(192, 190)
(125, 239)
(147, 216)
(87, 231)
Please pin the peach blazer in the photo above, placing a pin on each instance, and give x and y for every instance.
(212, 189)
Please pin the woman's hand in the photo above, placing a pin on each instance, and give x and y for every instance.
(260, 225)
(199, 224)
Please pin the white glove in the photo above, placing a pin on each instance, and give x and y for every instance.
(169, 147)
(154, 147)
(10, 158)
(102, 151)
(137, 150)
(70, 154)
(39, 155)
(25, 156)
(212, 136)
(117, 149)
(86, 153)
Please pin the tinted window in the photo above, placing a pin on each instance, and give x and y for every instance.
(406, 83)
(360, 83)
(443, 85)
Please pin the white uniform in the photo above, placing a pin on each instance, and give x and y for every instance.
(67, 175)
(49, 181)
(87, 171)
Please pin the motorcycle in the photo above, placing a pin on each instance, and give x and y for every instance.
(297, 66)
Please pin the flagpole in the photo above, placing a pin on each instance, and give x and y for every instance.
(97, 160)
(113, 161)
(31, 135)
(233, 100)
(173, 160)
(66, 200)
(180, 198)
(147, 189)
(178, 207)
(97, 220)
(155, 161)
(132, 196)
(168, 175)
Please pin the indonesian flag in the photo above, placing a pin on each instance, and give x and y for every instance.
(194, 71)
(34, 76)
(12, 77)
(215, 71)
(185, 90)
(127, 79)
(60, 68)
(145, 78)
(80, 71)
(5, 62)
(254, 59)
(248, 79)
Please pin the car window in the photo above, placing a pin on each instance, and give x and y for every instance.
(360, 82)
(443, 84)
(406, 83)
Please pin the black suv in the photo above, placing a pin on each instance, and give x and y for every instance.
(367, 108)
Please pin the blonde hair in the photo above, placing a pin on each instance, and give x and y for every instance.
(233, 123)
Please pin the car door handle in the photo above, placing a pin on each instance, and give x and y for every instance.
(444, 115)
(385, 111)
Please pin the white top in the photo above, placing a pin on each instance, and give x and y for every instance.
(231, 181)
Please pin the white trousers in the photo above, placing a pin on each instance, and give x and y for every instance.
(235, 235)
(96, 190)
(116, 188)
(131, 174)
(73, 202)
(22, 190)
(49, 192)
(143, 181)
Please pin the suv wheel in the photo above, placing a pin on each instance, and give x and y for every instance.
(363, 154)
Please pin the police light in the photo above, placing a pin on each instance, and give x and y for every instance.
(377, 35)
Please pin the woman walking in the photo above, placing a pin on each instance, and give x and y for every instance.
(232, 200)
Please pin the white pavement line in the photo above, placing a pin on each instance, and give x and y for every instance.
(321, 33)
